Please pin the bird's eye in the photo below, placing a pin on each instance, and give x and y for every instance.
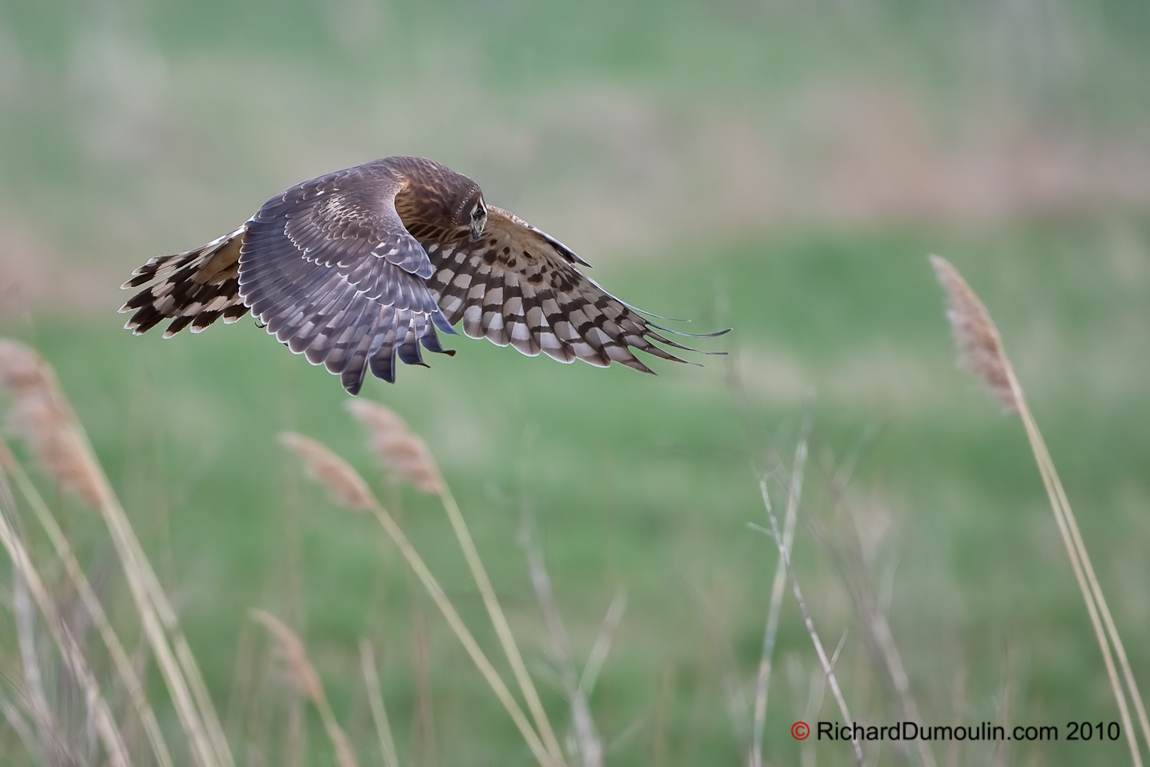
(479, 212)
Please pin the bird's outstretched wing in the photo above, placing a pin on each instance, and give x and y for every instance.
(331, 270)
(518, 285)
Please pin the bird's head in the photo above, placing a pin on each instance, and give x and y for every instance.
(476, 213)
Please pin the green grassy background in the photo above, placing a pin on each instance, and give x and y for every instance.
(779, 168)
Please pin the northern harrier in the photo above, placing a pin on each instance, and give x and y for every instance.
(356, 266)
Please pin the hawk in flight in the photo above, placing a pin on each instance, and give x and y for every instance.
(363, 264)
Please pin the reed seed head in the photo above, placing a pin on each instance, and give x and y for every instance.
(404, 455)
(331, 471)
(979, 345)
(41, 416)
(300, 673)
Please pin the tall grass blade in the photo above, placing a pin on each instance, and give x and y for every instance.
(116, 651)
(603, 641)
(450, 614)
(70, 652)
(405, 455)
(828, 668)
(46, 419)
(763, 679)
(588, 744)
(375, 701)
(981, 352)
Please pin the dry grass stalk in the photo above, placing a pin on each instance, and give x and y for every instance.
(116, 650)
(828, 668)
(7, 460)
(499, 621)
(15, 720)
(404, 455)
(877, 634)
(41, 416)
(59, 442)
(177, 664)
(342, 481)
(375, 701)
(876, 629)
(983, 354)
(422, 730)
(588, 746)
(881, 635)
(763, 681)
(47, 728)
(602, 647)
(302, 675)
(545, 757)
(70, 652)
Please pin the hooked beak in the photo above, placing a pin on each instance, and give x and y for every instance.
(476, 231)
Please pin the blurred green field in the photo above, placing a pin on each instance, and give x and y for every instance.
(777, 168)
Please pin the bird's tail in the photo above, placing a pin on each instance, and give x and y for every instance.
(194, 288)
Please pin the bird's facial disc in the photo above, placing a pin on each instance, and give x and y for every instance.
(478, 219)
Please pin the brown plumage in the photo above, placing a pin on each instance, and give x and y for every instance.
(363, 264)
